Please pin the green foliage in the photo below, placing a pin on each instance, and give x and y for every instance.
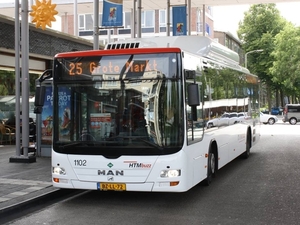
(285, 69)
(8, 83)
(258, 30)
(277, 66)
(225, 82)
(32, 78)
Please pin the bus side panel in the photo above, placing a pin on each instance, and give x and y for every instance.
(197, 164)
(222, 138)
(256, 133)
(231, 142)
(238, 138)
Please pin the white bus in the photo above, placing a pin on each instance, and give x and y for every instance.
(135, 114)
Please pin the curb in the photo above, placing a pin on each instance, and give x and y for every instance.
(8, 213)
(34, 204)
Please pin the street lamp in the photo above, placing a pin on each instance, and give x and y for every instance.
(258, 50)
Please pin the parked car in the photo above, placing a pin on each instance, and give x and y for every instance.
(265, 111)
(220, 121)
(276, 111)
(291, 113)
(243, 116)
(225, 120)
(233, 118)
(268, 119)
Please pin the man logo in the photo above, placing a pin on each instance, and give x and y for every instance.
(111, 172)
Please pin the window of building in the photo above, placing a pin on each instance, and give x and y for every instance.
(127, 20)
(163, 18)
(100, 19)
(208, 29)
(89, 22)
(209, 10)
(86, 21)
(226, 42)
(147, 19)
(229, 43)
(81, 22)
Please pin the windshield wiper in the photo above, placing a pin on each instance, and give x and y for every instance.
(73, 144)
(79, 143)
(139, 138)
(151, 144)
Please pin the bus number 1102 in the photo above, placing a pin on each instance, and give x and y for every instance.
(79, 162)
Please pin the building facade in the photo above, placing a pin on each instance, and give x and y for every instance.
(153, 24)
(230, 41)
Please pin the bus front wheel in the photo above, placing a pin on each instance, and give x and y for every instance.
(211, 167)
(246, 154)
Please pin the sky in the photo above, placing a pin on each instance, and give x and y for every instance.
(226, 18)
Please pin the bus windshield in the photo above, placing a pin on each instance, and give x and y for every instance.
(116, 105)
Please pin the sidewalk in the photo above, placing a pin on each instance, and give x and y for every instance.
(21, 182)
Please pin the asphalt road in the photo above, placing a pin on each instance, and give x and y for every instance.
(264, 189)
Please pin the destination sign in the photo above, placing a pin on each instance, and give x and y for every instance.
(137, 67)
(127, 66)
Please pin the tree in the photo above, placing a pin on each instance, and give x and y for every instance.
(7, 81)
(257, 31)
(32, 78)
(286, 66)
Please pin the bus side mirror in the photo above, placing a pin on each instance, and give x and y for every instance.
(193, 95)
(39, 99)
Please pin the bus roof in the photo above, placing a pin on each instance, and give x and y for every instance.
(117, 51)
(198, 45)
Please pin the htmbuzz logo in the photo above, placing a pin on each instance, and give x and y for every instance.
(135, 164)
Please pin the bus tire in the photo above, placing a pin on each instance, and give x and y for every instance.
(246, 154)
(211, 167)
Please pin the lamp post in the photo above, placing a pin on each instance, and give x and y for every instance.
(258, 50)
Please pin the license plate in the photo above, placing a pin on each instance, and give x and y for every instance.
(112, 186)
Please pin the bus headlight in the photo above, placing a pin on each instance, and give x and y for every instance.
(170, 173)
(58, 170)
